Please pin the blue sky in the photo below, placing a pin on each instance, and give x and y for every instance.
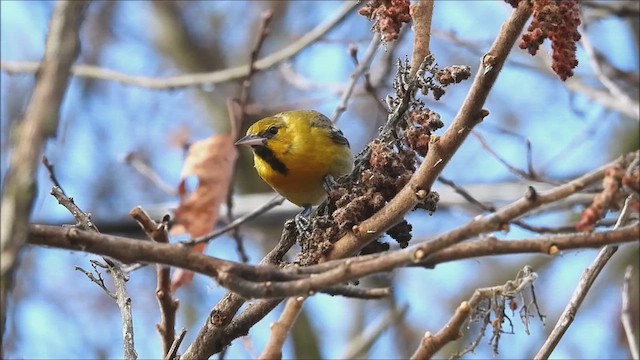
(62, 315)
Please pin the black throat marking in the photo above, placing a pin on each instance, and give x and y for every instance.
(270, 158)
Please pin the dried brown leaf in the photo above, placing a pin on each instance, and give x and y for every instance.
(211, 160)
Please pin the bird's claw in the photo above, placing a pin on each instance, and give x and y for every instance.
(302, 223)
(302, 220)
(328, 182)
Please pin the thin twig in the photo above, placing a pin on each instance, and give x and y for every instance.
(524, 174)
(361, 68)
(173, 351)
(497, 295)
(610, 85)
(83, 219)
(50, 170)
(97, 278)
(584, 285)
(120, 295)
(626, 314)
(369, 87)
(277, 200)
(198, 79)
(490, 208)
(168, 305)
(238, 118)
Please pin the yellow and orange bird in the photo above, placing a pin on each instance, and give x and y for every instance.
(298, 153)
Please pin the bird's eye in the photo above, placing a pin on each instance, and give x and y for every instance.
(273, 130)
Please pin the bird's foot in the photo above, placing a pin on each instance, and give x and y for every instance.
(328, 182)
(302, 220)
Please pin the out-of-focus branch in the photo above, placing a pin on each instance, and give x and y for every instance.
(280, 329)
(603, 97)
(145, 170)
(237, 115)
(610, 85)
(198, 79)
(529, 174)
(361, 68)
(40, 123)
(359, 345)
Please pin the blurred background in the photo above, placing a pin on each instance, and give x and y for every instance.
(56, 312)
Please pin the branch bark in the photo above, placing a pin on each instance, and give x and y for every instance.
(40, 123)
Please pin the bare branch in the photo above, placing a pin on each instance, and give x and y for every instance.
(270, 281)
(584, 285)
(421, 14)
(497, 296)
(609, 84)
(280, 329)
(120, 295)
(361, 68)
(173, 351)
(197, 79)
(168, 305)
(630, 329)
(40, 123)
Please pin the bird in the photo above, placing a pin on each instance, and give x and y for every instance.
(299, 154)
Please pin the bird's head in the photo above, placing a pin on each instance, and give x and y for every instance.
(272, 133)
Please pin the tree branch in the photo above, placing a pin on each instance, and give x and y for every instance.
(280, 329)
(441, 150)
(168, 305)
(580, 293)
(40, 122)
(197, 79)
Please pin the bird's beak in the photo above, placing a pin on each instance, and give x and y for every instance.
(251, 140)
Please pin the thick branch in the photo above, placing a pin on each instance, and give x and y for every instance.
(270, 281)
(40, 122)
